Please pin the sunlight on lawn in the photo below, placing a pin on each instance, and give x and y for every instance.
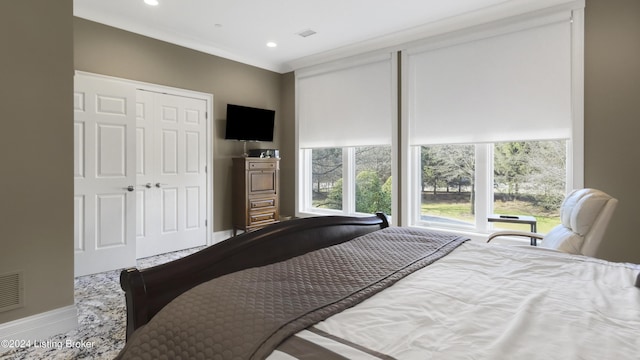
(462, 212)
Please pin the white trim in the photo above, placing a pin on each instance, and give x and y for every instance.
(174, 37)
(483, 180)
(507, 26)
(306, 185)
(405, 213)
(208, 98)
(395, 142)
(40, 326)
(220, 236)
(349, 180)
(346, 63)
(300, 158)
(576, 160)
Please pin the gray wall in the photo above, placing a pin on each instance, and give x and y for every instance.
(288, 144)
(106, 50)
(612, 117)
(36, 151)
(36, 141)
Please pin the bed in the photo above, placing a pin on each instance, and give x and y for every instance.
(349, 287)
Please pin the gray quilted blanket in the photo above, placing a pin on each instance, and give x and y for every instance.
(245, 315)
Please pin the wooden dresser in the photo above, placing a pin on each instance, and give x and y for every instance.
(256, 190)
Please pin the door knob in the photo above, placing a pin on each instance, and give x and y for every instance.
(159, 185)
(130, 188)
(147, 185)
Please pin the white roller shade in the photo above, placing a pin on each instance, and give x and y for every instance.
(511, 86)
(346, 106)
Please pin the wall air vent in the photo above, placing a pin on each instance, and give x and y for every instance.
(306, 33)
(11, 291)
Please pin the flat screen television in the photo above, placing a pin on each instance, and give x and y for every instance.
(249, 124)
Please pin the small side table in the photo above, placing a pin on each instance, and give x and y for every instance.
(517, 219)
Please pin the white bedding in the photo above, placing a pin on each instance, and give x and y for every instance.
(492, 302)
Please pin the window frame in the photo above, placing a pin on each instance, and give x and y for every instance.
(348, 184)
(484, 190)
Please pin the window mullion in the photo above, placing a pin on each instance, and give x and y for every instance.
(307, 179)
(349, 180)
(483, 187)
(414, 176)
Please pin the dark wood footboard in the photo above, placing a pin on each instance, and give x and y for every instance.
(149, 290)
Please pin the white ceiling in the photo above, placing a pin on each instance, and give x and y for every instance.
(239, 29)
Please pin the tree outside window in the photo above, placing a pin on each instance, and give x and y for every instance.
(373, 183)
(528, 179)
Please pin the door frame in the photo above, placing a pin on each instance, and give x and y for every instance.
(208, 98)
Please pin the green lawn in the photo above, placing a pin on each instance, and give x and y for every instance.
(546, 220)
(461, 211)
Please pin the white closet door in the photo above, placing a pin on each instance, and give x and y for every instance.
(104, 175)
(147, 201)
(171, 153)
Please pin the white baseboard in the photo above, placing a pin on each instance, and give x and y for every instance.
(40, 326)
(219, 236)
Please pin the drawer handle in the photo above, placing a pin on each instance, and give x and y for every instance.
(253, 165)
(265, 203)
(261, 218)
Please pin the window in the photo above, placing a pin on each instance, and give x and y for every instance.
(373, 179)
(481, 110)
(484, 114)
(326, 178)
(526, 178)
(447, 185)
(346, 121)
(529, 178)
(362, 173)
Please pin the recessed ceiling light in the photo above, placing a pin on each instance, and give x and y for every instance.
(271, 44)
(151, 2)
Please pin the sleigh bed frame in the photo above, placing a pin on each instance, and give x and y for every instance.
(390, 292)
(147, 291)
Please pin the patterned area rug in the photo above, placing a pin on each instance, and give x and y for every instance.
(101, 318)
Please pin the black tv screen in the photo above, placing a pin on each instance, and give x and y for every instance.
(249, 124)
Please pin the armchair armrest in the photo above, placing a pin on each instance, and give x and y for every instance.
(515, 233)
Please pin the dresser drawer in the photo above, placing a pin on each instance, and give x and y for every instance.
(260, 165)
(255, 204)
(258, 218)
